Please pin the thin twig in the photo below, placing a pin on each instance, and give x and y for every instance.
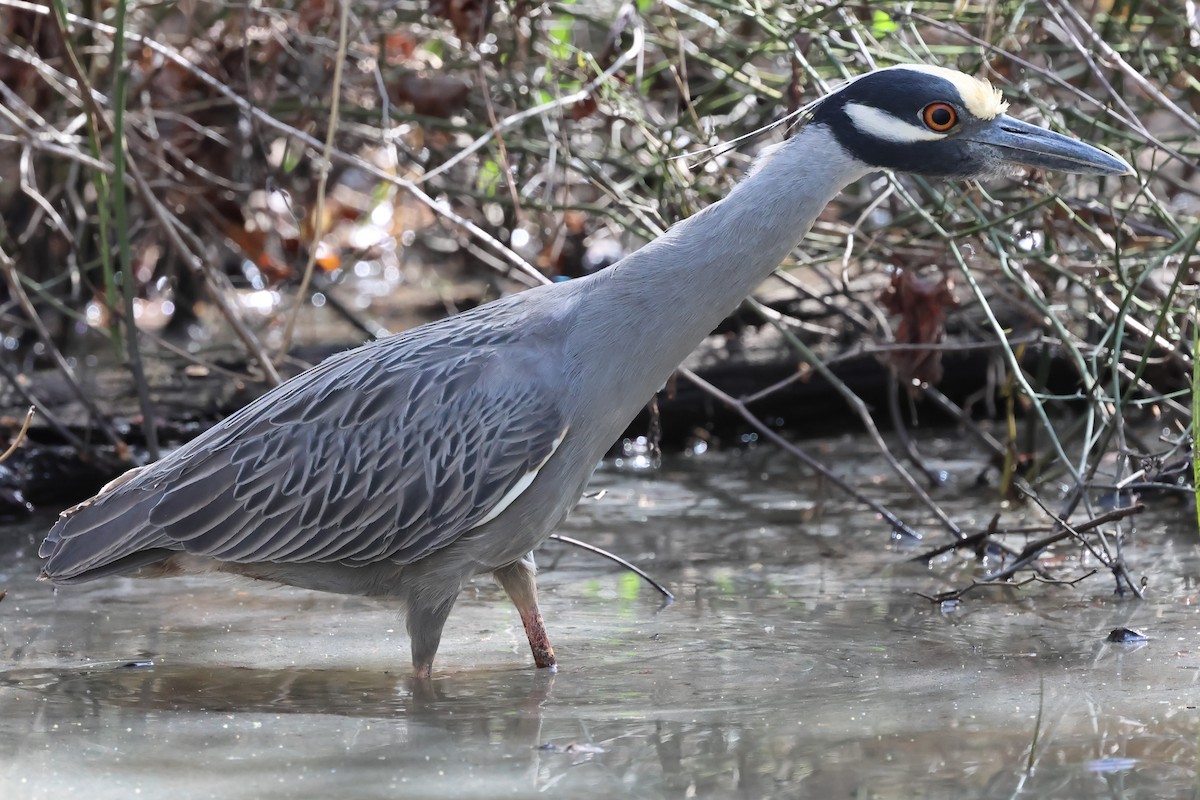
(59, 426)
(591, 548)
(501, 150)
(513, 120)
(896, 523)
(116, 196)
(203, 272)
(1130, 72)
(862, 412)
(18, 293)
(1034, 549)
(12, 448)
(318, 214)
(907, 445)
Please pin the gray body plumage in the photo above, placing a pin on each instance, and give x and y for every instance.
(406, 466)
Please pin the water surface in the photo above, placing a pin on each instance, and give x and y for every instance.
(796, 662)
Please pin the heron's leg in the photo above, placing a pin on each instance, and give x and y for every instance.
(518, 581)
(425, 623)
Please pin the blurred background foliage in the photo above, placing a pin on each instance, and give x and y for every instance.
(473, 148)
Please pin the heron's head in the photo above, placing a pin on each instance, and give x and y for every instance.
(940, 122)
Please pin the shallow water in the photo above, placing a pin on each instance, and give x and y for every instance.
(796, 661)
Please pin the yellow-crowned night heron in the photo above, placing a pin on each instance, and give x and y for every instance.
(404, 467)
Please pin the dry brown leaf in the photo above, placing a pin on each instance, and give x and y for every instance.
(440, 96)
(470, 18)
(922, 305)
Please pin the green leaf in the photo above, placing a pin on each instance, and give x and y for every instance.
(489, 178)
(291, 159)
(559, 32)
(882, 24)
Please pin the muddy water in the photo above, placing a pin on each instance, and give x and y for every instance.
(796, 662)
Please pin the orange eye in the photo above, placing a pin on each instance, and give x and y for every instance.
(940, 117)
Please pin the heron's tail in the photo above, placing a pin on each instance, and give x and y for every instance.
(106, 535)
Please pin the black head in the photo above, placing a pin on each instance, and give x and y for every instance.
(940, 122)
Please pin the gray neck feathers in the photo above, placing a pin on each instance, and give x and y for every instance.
(662, 300)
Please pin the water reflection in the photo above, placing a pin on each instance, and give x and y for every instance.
(796, 662)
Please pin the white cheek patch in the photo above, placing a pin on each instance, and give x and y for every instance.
(882, 125)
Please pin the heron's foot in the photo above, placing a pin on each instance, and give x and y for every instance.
(539, 642)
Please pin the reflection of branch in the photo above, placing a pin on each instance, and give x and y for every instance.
(973, 540)
(19, 438)
(956, 594)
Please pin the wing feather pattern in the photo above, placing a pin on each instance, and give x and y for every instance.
(370, 456)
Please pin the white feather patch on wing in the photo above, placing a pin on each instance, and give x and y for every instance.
(521, 485)
(882, 125)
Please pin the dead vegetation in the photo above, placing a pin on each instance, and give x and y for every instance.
(165, 162)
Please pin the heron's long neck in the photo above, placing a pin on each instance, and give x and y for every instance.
(666, 297)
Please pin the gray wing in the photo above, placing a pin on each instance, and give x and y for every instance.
(356, 461)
